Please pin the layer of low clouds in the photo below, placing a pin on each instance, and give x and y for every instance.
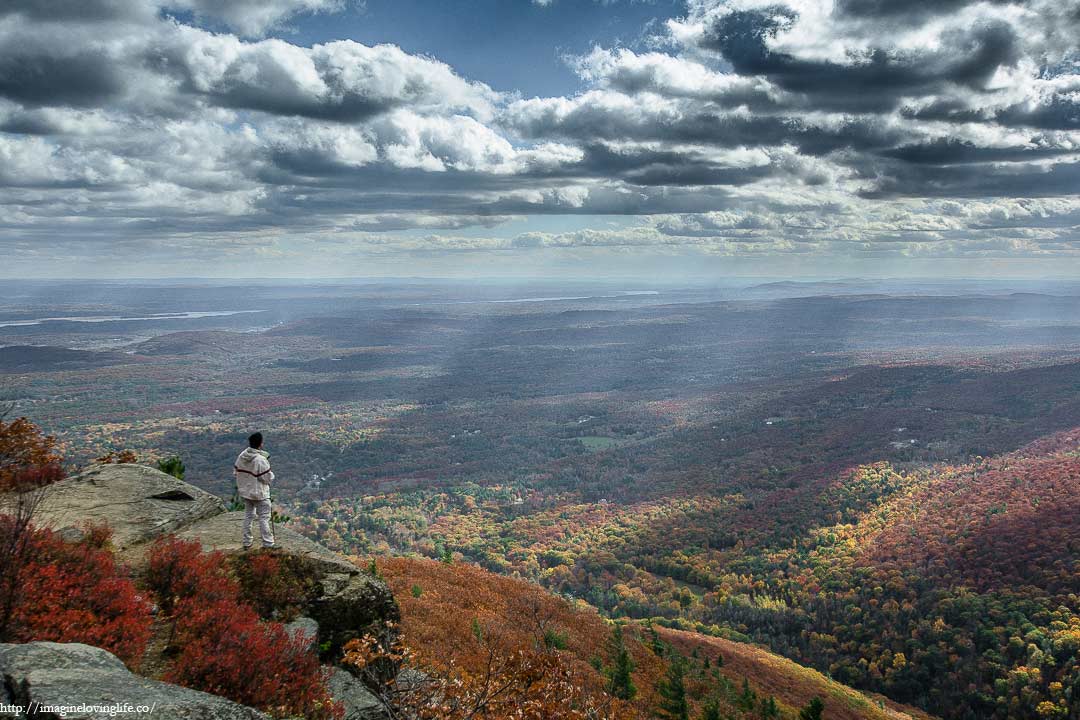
(745, 128)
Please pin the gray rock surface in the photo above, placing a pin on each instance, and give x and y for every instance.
(224, 531)
(307, 628)
(138, 503)
(351, 606)
(74, 675)
(355, 698)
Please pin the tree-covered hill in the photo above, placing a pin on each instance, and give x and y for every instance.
(462, 620)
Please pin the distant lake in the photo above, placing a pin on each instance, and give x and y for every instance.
(125, 318)
(620, 293)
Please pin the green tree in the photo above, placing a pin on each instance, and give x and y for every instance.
(813, 710)
(672, 691)
(172, 466)
(710, 710)
(554, 640)
(620, 682)
(655, 643)
(747, 698)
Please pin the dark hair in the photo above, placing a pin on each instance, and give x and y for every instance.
(255, 440)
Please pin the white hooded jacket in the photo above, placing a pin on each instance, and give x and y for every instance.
(253, 476)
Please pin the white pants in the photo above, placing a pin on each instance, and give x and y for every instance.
(262, 509)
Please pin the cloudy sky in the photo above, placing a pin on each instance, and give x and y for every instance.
(539, 137)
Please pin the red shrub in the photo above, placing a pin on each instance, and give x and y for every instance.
(277, 587)
(179, 570)
(225, 648)
(228, 651)
(75, 592)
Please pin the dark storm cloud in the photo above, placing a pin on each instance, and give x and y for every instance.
(250, 17)
(873, 82)
(949, 151)
(912, 9)
(587, 121)
(685, 173)
(241, 94)
(29, 123)
(81, 10)
(1018, 180)
(82, 79)
(647, 167)
(1061, 112)
(890, 14)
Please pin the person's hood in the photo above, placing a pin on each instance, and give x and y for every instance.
(251, 453)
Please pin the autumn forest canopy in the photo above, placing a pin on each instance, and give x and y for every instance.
(732, 500)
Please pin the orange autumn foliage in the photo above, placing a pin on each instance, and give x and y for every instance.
(28, 458)
(122, 457)
(460, 621)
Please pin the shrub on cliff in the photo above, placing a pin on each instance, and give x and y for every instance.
(277, 586)
(28, 458)
(28, 464)
(228, 651)
(180, 569)
(224, 647)
(76, 592)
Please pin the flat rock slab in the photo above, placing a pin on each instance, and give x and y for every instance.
(89, 680)
(139, 503)
(224, 532)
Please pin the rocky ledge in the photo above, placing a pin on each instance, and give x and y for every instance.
(141, 504)
(71, 680)
(138, 503)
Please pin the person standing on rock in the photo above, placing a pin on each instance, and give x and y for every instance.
(253, 478)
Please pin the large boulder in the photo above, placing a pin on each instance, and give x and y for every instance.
(138, 503)
(224, 532)
(93, 683)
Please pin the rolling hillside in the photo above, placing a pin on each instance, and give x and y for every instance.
(452, 614)
(790, 683)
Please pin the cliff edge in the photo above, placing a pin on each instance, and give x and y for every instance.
(141, 505)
